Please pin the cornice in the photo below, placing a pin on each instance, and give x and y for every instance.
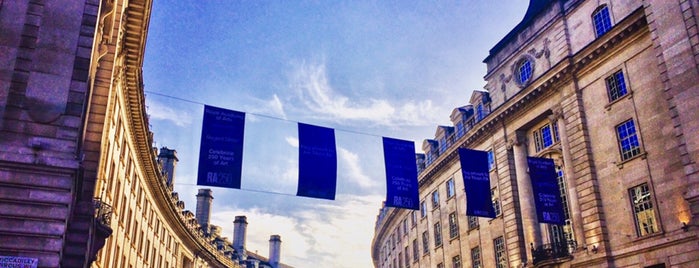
(134, 39)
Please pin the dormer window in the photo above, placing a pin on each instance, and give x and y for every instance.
(601, 20)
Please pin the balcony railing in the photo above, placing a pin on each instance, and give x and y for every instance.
(103, 212)
(553, 251)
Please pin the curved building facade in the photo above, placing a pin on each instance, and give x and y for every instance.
(607, 89)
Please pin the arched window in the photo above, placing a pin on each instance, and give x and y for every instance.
(601, 20)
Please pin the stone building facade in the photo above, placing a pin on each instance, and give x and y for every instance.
(80, 184)
(608, 90)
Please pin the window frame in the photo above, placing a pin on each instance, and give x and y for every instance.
(476, 260)
(495, 200)
(425, 242)
(435, 199)
(453, 225)
(451, 188)
(616, 85)
(500, 252)
(630, 138)
(523, 71)
(646, 204)
(601, 20)
(438, 241)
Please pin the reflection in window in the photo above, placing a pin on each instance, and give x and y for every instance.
(644, 213)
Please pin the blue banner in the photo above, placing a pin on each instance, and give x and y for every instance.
(401, 174)
(221, 149)
(317, 162)
(547, 195)
(474, 168)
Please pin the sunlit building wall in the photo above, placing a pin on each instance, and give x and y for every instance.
(607, 89)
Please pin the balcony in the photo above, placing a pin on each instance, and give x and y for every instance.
(102, 227)
(553, 253)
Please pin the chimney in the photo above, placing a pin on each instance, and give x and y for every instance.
(168, 159)
(204, 199)
(275, 243)
(239, 226)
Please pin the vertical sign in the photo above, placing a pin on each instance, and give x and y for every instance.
(474, 168)
(401, 173)
(317, 162)
(547, 195)
(221, 150)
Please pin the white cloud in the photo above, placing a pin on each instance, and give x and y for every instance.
(311, 235)
(354, 172)
(293, 141)
(317, 95)
(276, 107)
(159, 111)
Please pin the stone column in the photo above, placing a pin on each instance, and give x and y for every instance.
(568, 173)
(530, 223)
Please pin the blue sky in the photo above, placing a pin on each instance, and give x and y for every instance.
(365, 68)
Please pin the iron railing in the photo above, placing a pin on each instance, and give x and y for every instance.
(553, 251)
(103, 212)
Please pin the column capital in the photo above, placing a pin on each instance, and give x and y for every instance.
(519, 138)
(557, 113)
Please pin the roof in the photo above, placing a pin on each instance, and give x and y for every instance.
(535, 8)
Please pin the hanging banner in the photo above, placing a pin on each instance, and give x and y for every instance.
(474, 168)
(221, 149)
(317, 162)
(547, 195)
(401, 174)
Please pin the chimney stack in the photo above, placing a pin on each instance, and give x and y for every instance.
(168, 160)
(275, 243)
(204, 199)
(239, 226)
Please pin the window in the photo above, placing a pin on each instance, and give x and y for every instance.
(435, 199)
(425, 243)
(545, 136)
(601, 20)
(450, 188)
(496, 201)
(480, 113)
(400, 260)
(423, 209)
(644, 214)
(440, 265)
(628, 141)
(472, 222)
(616, 87)
(456, 261)
(500, 259)
(405, 226)
(524, 71)
(567, 228)
(398, 234)
(453, 225)
(414, 216)
(416, 253)
(437, 234)
(476, 257)
(407, 257)
(491, 160)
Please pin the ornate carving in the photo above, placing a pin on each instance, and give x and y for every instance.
(518, 139)
(544, 50)
(557, 113)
